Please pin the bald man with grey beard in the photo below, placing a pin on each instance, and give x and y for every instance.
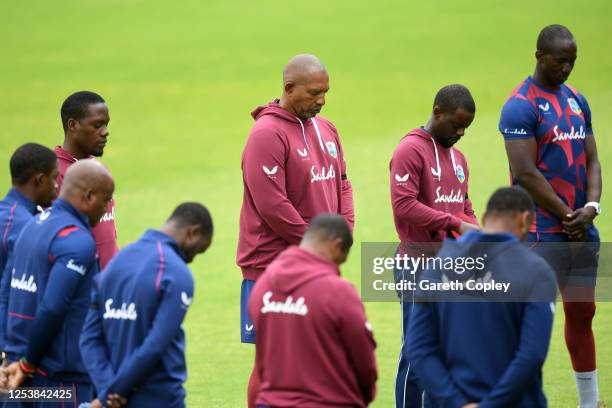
(293, 169)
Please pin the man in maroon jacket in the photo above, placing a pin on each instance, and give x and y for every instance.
(315, 347)
(85, 120)
(293, 169)
(429, 195)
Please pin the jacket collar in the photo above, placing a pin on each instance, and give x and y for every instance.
(165, 239)
(14, 195)
(64, 205)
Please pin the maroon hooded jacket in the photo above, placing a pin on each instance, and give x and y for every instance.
(429, 189)
(314, 346)
(105, 232)
(292, 171)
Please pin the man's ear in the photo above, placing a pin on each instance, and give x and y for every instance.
(193, 233)
(289, 87)
(72, 124)
(525, 220)
(539, 54)
(88, 196)
(39, 179)
(482, 218)
(437, 112)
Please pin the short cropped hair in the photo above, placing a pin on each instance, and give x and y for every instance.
(330, 226)
(29, 160)
(192, 213)
(455, 96)
(549, 34)
(510, 200)
(76, 105)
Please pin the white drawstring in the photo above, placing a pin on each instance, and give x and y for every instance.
(454, 163)
(438, 174)
(318, 134)
(303, 133)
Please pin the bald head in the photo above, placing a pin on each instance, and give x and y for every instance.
(301, 67)
(305, 83)
(88, 186)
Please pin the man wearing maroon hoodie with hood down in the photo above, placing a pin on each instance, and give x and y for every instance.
(315, 347)
(85, 120)
(429, 195)
(293, 169)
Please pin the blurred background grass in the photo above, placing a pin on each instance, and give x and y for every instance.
(181, 78)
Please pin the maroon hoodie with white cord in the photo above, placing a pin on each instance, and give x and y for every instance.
(292, 170)
(429, 189)
(314, 346)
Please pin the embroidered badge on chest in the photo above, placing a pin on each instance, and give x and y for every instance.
(460, 173)
(331, 149)
(574, 106)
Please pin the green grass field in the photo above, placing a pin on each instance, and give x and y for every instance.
(180, 79)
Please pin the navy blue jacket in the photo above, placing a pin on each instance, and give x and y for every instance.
(132, 342)
(15, 211)
(486, 352)
(52, 267)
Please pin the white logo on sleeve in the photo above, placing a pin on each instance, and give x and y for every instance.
(126, 312)
(186, 300)
(270, 172)
(544, 107)
(29, 285)
(80, 269)
(368, 326)
(247, 327)
(302, 153)
(323, 175)
(287, 307)
(402, 179)
(508, 131)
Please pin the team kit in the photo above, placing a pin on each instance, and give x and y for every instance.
(79, 314)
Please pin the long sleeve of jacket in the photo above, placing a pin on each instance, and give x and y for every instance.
(424, 354)
(5, 290)
(527, 363)
(468, 209)
(176, 291)
(407, 162)
(93, 346)
(74, 257)
(263, 170)
(347, 203)
(356, 334)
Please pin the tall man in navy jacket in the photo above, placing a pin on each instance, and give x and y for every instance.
(132, 342)
(33, 172)
(488, 354)
(54, 263)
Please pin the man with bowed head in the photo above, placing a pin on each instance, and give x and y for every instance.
(133, 343)
(550, 144)
(315, 347)
(85, 119)
(53, 269)
(293, 169)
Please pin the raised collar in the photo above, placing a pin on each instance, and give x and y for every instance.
(14, 195)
